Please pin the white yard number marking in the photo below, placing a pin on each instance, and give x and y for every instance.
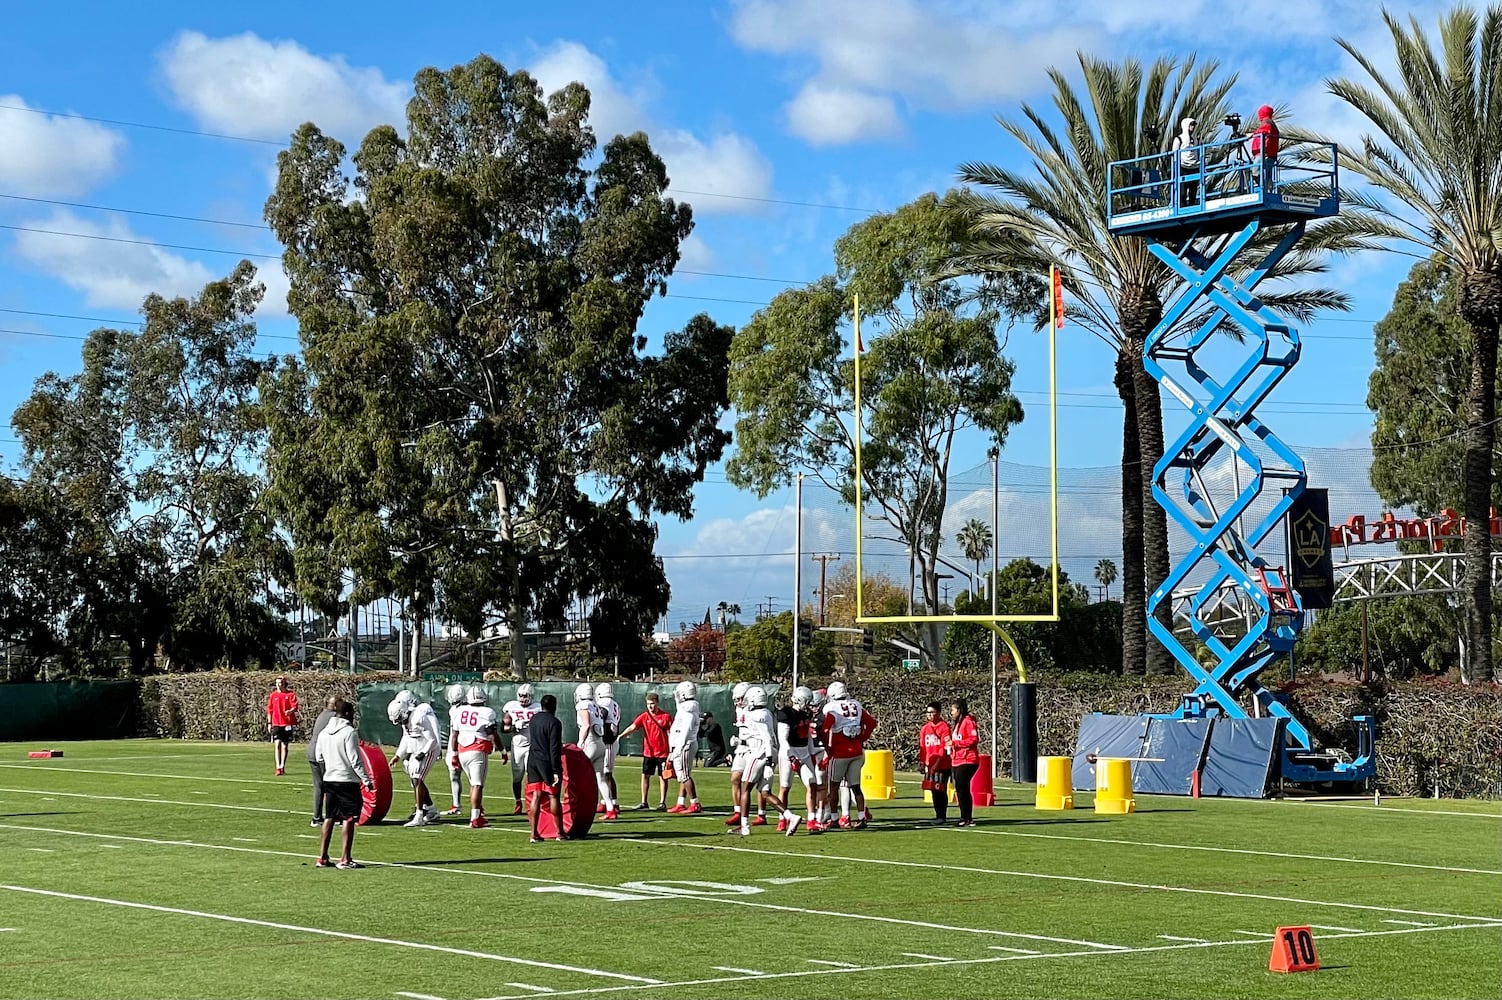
(658, 889)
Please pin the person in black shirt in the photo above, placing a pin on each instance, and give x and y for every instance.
(710, 731)
(545, 766)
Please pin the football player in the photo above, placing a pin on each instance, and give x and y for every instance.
(738, 752)
(795, 736)
(591, 722)
(846, 726)
(515, 716)
(759, 737)
(683, 745)
(610, 712)
(419, 747)
(474, 734)
(454, 695)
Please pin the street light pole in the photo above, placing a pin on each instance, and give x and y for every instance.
(995, 455)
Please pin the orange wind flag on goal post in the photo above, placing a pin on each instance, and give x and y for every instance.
(1056, 296)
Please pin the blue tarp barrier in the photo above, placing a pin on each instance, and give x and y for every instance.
(1243, 758)
(1106, 736)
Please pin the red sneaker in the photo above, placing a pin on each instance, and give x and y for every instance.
(815, 827)
(323, 863)
(782, 825)
(734, 820)
(281, 770)
(694, 807)
(612, 814)
(760, 820)
(451, 811)
(599, 808)
(478, 822)
(678, 807)
(844, 822)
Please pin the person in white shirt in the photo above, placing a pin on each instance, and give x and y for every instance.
(610, 713)
(344, 775)
(683, 745)
(474, 734)
(591, 722)
(420, 745)
(516, 714)
(738, 760)
(760, 737)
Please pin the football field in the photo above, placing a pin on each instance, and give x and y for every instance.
(175, 869)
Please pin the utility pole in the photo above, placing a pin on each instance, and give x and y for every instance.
(823, 559)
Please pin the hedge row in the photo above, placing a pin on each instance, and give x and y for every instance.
(231, 705)
(1431, 735)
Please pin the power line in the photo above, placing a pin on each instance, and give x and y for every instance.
(133, 211)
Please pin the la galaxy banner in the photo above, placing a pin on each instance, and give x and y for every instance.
(1311, 570)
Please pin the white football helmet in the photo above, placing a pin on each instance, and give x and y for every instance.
(401, 706)
(836, 690)
(476, 695)
(738, 693)
(454, 694)
(802, 697)
(685, 691)
(756, 696)
(604, 692)
(820, 694)
(584, 693)
(524, 695)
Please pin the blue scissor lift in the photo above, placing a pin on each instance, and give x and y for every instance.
(1227, 479)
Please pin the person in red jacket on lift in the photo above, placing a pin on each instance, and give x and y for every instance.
(964, 755)
(1264, 144)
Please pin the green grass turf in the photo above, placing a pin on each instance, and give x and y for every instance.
(1415, 884)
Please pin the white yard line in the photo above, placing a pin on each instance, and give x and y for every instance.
(174, 777)
(529, 986)
(847, 968)
(1409, 923)
(919, 954)
(1174, 937)
(1256, 934)
(872, 918)
(1393, 810)
(421, 996)
(42, 850)
(154, 802)
(1227, 850)
(932, 866)
(1014, 951)
(324, 932)
(731, 968)
(1332, 927)
(114, 847)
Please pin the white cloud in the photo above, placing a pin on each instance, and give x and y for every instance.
(695, 255)
(274, 302)
(110, 275)
(723, 163)
(247, 85)
(830, 115)
(45, 156)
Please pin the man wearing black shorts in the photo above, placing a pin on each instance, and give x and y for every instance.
(344, 775)
(545, 766)
(653, 724)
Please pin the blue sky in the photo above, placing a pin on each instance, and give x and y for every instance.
(782, 123)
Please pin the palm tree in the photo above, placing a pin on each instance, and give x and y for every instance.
(1437, 157)
(1115, 285)
(975, 542)
(1105, 575)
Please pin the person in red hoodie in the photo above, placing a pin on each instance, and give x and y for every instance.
(281, 716)
(964, 755)
(653, 725)
(1264, 143)
(934, 758)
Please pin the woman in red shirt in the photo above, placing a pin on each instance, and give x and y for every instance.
(281, 716)
(964, 739)
(934, 757)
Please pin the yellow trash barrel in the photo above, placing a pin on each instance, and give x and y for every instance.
(1055, 783)
(1113, 786)
(878, 778)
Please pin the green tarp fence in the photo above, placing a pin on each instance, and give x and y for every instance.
(69, 710)
(714, 698)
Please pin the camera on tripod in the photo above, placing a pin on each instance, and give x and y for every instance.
(1233, 122)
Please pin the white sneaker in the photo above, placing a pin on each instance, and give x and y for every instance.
(431, 813)
(793, 822)
(421, 819)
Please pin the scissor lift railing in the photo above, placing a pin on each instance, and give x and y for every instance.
(1202, 225)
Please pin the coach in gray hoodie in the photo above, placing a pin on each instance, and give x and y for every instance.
(344, 775)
